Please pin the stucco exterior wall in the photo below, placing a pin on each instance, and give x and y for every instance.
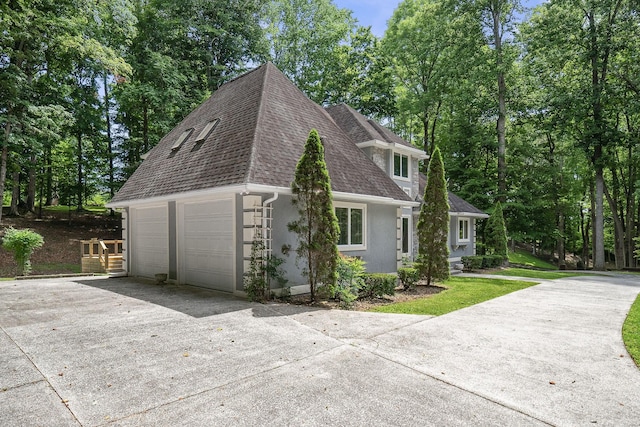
(457, 251)
(381, 240)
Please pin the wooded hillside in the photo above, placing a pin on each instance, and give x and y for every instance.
(539, 110)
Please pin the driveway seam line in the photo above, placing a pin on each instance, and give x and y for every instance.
(239, 380)
(44, 378)
(504, 405)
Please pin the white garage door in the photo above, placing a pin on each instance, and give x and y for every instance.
(150, 246)
(207, 244)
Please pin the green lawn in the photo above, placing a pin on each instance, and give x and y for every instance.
(526, 259)
(535, 274)
(65, 209)
(56, 268)
(461, 292)
(631, 331)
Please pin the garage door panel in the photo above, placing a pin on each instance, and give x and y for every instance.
(150, 246)
(208, 244)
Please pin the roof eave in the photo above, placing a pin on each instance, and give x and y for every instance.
(415, 152)
(470, 214)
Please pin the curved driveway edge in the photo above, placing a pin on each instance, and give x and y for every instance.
(99, 351)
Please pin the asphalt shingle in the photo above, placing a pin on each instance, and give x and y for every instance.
(264, 122)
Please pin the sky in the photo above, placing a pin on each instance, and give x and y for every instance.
(370, 12)
(376, 13)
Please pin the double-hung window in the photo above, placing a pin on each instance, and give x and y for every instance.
(400, 165)
(463, 230)
(351, 220)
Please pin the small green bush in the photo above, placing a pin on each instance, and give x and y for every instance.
(472, 262)
(408, 276)
(22, 243)
(478, 262)
(262, 273)
(349, 283)
(495, 260)
(377, 285)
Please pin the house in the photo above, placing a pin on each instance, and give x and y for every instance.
(221, 178)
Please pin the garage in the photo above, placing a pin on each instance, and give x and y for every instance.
(207, 244)
(150, 241)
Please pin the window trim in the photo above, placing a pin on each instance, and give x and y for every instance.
(459, 230)
(350, 206)
(393, 166)
(409, 235)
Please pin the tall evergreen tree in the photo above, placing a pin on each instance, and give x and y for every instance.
(433, 224)
(496, 232)
(317, 225)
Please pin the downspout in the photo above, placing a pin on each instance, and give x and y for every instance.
(264, 209)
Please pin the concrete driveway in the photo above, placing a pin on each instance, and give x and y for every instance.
(121, 352)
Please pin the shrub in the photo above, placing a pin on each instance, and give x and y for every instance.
(482, 261)
(472, 262)
(349, 283)
(495, 260)
(378, 285)
(408, 276)
(22, 243)
(262, 272)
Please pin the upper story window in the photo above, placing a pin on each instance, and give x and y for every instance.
(400, 165)
(463, 230)
(351, 221)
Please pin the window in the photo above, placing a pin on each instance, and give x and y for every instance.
(181, 139)
(406, 235)
(463, 230)
(400, 165)
(206, 131)
(351, 221)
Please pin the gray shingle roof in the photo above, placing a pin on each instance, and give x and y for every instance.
(456, 204)
(264, 122)
(362, 129)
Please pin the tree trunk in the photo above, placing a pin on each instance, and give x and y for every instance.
(15, 193)
(109, 139)
(31, 189)
(79, 189)
(502, 108)
(584, 231)
(618, 231)
(598, 224)
(425, 126)
(49, 176)
(560, 241)
(4, 157)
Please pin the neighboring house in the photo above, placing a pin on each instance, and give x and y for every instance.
(222, 177)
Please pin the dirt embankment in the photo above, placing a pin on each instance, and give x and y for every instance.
(62, 232)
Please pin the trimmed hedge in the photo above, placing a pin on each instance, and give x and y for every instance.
(479, 262)
(377, 285)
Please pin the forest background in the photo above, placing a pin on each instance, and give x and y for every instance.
(538, 109)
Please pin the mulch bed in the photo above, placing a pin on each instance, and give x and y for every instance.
(421, 291)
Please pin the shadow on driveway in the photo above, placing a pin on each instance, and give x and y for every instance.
(189, 300)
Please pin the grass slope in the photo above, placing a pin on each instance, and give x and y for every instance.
(461, 292)
(525, 258)
(631, 331)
